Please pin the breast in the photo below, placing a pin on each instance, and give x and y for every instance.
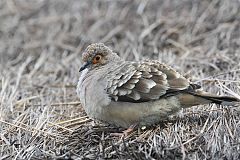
(93, 97)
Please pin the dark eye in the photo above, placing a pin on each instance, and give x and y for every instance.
(96, 59)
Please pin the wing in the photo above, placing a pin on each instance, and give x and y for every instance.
(144, 81)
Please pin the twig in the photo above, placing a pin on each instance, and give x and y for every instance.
(70, 120)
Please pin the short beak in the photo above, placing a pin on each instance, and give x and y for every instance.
(85, 65)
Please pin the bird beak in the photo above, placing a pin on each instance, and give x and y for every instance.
(85, 65)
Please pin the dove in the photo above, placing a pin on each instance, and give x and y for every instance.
(129, 94)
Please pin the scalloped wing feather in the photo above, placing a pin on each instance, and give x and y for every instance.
(144, 81)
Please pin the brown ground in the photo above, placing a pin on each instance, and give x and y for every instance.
(40, 50)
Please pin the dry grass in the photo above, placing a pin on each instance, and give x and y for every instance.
(40, 49)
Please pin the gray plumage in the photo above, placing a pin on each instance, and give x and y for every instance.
(123, 93)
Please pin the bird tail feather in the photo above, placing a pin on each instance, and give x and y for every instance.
(191, 99)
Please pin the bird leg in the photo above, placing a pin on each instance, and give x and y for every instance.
(126, 132)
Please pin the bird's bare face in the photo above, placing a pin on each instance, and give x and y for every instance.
(95, 55)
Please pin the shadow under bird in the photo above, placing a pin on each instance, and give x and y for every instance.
(130, 94)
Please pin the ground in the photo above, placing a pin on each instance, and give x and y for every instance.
(41, 43)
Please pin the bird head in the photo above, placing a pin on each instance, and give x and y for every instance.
(96, 55)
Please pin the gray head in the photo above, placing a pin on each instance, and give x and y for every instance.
(96, 55)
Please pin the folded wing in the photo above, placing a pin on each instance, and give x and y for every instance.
(144, 81)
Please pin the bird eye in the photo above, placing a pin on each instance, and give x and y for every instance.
(96, 59)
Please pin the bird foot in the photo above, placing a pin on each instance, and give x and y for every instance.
(125, 133)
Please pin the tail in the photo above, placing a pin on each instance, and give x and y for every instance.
(194, 98)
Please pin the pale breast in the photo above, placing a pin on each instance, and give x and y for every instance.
(92, 95)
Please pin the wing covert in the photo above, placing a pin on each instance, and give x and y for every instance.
(144, 81)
